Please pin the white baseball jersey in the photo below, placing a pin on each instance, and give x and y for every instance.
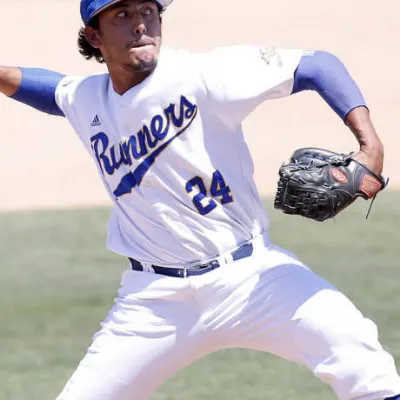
(171, 150)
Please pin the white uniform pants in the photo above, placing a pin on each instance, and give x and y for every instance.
(268, 301)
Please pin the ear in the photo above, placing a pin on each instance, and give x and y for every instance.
(93, 37)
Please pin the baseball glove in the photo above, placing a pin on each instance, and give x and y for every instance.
(318, 184)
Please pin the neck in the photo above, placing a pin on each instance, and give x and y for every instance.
(125, 79)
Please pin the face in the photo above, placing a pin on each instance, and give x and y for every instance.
(129, 35)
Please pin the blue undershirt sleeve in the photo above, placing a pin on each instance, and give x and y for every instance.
(324, 73)
(38, 89)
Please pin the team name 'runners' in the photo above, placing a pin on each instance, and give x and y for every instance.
(139, 145)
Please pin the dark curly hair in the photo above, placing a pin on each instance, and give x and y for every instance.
(86, 49)
(83, 45)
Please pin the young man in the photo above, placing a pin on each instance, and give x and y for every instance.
(164, 128)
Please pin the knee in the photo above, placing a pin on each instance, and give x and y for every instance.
(345, 352)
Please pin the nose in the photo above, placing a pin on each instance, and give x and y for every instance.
(139, 27)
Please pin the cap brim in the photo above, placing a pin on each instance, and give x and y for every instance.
(163, 4)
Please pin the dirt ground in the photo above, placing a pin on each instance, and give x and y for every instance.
(43, 164)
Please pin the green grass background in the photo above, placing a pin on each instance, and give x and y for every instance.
(57, 282)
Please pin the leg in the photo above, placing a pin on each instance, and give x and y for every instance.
(149, 335)
(297, 315)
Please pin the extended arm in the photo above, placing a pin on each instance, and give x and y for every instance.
(32, 86)
(324, 73)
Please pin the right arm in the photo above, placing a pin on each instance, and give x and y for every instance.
(32, 86)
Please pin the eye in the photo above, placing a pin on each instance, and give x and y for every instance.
(122, 14)
(148, 11)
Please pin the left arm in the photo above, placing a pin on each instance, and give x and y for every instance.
(324, 73)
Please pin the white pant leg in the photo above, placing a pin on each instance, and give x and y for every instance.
(271, 302)
(149, 335)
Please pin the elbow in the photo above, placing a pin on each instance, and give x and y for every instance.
(313, 68)
(324, 73)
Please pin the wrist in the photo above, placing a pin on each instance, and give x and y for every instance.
(372, 146)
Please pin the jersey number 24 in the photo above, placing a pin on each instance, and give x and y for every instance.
(218, 189)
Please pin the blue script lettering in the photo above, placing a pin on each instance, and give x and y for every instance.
(137, 146)
(101, 139)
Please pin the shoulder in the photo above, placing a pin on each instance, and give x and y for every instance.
(73, 92)
(170, 56)
(173, 58)
(74, 84)
(75, 89)
(195, 63)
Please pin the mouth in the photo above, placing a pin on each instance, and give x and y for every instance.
(141, 43)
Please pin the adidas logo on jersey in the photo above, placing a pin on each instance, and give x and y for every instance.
(96, 121)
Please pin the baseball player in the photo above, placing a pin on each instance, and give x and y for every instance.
(164, 128)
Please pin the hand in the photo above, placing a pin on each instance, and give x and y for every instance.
(371, 158)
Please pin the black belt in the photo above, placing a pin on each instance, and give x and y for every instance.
(242, 252)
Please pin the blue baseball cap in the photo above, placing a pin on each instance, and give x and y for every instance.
(90, 8)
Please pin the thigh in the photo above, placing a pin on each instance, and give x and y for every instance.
(299, 316)
(145, 340)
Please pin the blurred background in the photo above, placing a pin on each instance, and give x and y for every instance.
(57, 281)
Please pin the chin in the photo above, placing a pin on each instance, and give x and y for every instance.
(144, 64)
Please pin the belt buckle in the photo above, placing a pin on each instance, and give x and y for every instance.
(211, 265)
